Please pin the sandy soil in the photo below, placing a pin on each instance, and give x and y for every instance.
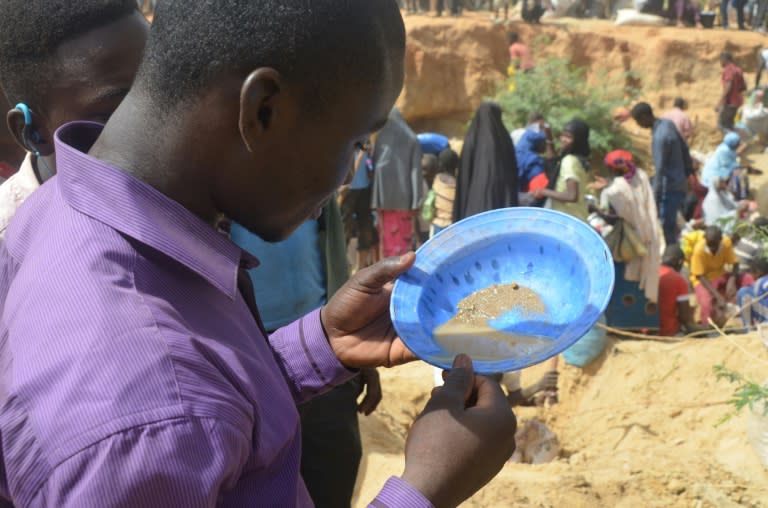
(638, 428)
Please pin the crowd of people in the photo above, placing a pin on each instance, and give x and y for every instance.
(156, 192)
(673, 235)
(681, 13)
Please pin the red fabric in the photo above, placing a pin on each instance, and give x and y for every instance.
(395, 232)
(672, 286)
(705, 300)
(521, 54)
(700, 192)
(618, 159)
(733, 73)
(539, 181)
(6, 170)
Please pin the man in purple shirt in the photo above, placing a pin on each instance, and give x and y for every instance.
(133, 366)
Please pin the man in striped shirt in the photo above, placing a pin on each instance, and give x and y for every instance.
(134, 367)
(753, 300)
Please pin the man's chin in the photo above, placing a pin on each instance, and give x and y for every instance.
(275, 233)
(278, 235)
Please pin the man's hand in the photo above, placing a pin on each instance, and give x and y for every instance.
(539, 193)
(600, 183)
(356, 320)
(370, 383)
(462, 439)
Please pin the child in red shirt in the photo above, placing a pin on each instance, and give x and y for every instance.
(674, 295)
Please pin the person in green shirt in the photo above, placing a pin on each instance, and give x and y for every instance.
(568, 186)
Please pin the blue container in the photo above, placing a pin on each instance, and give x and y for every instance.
(588, 348)
(628, 307)
(432, 142)
(559, 257)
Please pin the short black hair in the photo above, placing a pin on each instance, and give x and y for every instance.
(429, 162)
(448, 161)
(673, 254)
(512, 37)
(759, 264)
(725, 55)
(535, 116)
(318, 43)
(642, 109)
(679, 102)
(713, 232)
(32, 30)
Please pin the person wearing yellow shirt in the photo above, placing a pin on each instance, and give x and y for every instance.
(713, 284)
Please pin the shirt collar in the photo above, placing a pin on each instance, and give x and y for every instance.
(140, 211)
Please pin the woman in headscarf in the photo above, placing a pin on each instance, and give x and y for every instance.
(724, 165)
(397, 185)
(568, 185)
(629, 197)
(723, 162)
(530, 163)
(488, 169)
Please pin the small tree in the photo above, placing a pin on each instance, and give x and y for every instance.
(748, 393)
(561, 92)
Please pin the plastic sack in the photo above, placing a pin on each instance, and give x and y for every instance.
(535, 444)
(561, 8)
(631, 17)
(624, 243)
(757, 431)
(755, 118)
(588, 348)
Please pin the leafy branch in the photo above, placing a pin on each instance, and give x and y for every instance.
(747, 393)
(561, 91)
(745, 229)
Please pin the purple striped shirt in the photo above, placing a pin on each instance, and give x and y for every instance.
(132, 372)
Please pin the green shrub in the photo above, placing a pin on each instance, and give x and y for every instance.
(748, 393)
(560, 91)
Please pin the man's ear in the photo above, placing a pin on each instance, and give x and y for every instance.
(259, 96)
(15, 121)
(30, 137)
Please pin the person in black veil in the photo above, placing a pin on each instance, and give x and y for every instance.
(487, 177)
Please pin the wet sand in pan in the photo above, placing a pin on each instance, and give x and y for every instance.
(470, 332)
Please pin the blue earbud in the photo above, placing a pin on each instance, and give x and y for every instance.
(31, 138)
(35, 136)
(26, 112)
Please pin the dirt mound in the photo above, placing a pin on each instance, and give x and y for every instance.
(637, 428)
(452, 64)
